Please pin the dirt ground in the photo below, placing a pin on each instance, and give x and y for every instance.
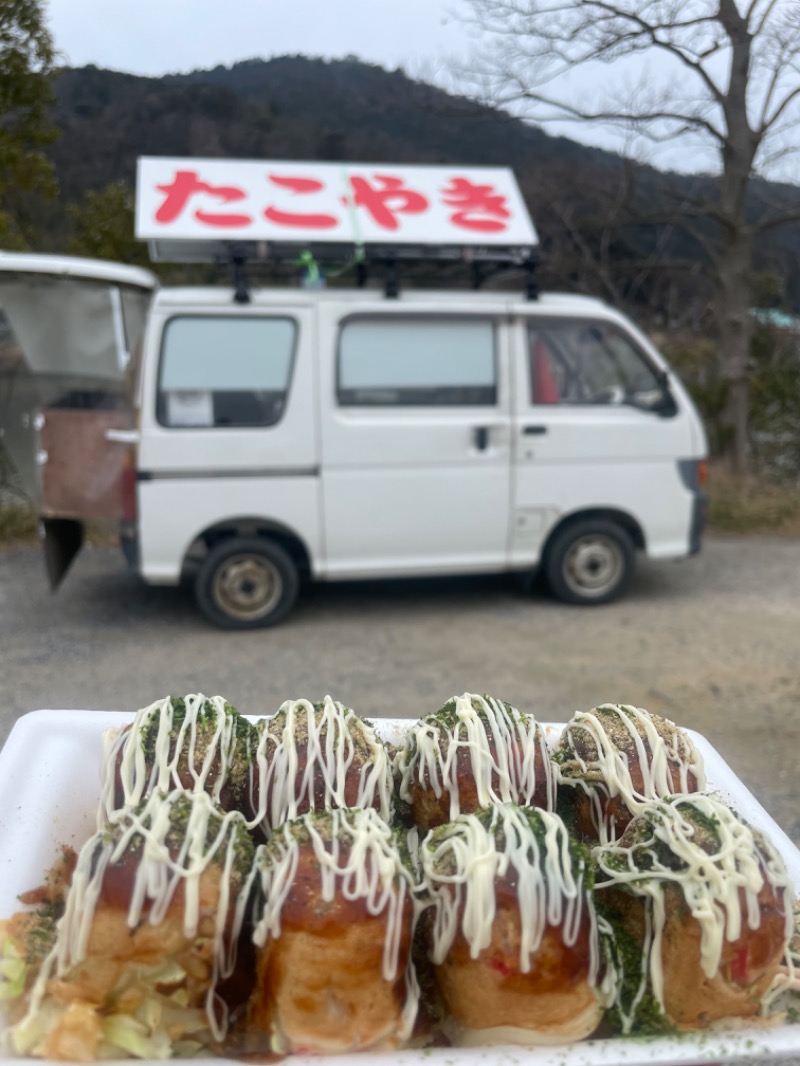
(713, 642)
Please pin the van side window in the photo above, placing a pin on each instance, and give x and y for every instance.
(587, 363)
(417, 362)
(224, 371)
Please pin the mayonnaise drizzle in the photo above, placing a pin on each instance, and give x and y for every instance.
(357, 859)
(222, 746)
(330, 733)
(787, 981)
(155, 882)
(367, 868)
(504, 767)
(712, 885)
(610, 769)
(462, 863)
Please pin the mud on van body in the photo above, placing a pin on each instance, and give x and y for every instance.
(338, 434)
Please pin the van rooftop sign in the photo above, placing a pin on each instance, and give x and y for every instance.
(196, 209)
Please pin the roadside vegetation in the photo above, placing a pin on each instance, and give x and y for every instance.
(751, 504)
(18, 525)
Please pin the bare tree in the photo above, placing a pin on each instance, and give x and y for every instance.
(723, 76)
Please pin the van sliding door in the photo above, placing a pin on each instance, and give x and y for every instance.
(416, 459)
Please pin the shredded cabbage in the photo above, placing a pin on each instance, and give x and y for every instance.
(137, 1039)
(13, 970)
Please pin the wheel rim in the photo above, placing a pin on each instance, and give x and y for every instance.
(247, 587)
(593, 566)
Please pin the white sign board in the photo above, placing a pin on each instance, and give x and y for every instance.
(234, 200)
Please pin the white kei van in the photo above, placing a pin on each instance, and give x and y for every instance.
(341, 434)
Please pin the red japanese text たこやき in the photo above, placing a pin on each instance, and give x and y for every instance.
(288, 202)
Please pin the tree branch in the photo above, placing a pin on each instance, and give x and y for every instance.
(570, 112)
(787, 219)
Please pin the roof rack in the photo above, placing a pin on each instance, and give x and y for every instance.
(386, 263)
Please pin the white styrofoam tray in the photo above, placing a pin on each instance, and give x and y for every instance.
(49, 791)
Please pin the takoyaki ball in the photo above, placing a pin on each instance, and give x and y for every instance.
(333, 937)
(196, 743)
(317, 757)
(699, 913)
(612, 760)
(475, 751)
(148, 939)
(513, 935)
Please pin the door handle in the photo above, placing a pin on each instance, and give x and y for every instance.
(534, 431)
(123, 436)
(481, 438)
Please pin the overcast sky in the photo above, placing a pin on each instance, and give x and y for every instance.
(169, 36)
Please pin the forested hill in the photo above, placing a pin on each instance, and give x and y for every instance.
(299, 108)
(286, 108)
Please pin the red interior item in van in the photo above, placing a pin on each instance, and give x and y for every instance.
(545, 389)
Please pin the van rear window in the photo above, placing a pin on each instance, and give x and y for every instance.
(224, 371)
(417, 362)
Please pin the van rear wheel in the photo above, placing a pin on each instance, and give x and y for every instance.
(246, 583)
(589, 562)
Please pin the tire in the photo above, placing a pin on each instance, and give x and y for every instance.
(589, 562)
(246, 583)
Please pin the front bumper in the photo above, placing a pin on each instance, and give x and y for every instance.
(690, 473)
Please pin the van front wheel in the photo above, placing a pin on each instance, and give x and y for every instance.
(246, 583)
(589, 562)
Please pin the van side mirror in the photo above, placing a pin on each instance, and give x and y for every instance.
(658, 400)
(664, 406)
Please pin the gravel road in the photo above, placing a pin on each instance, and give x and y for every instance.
(713, 642)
